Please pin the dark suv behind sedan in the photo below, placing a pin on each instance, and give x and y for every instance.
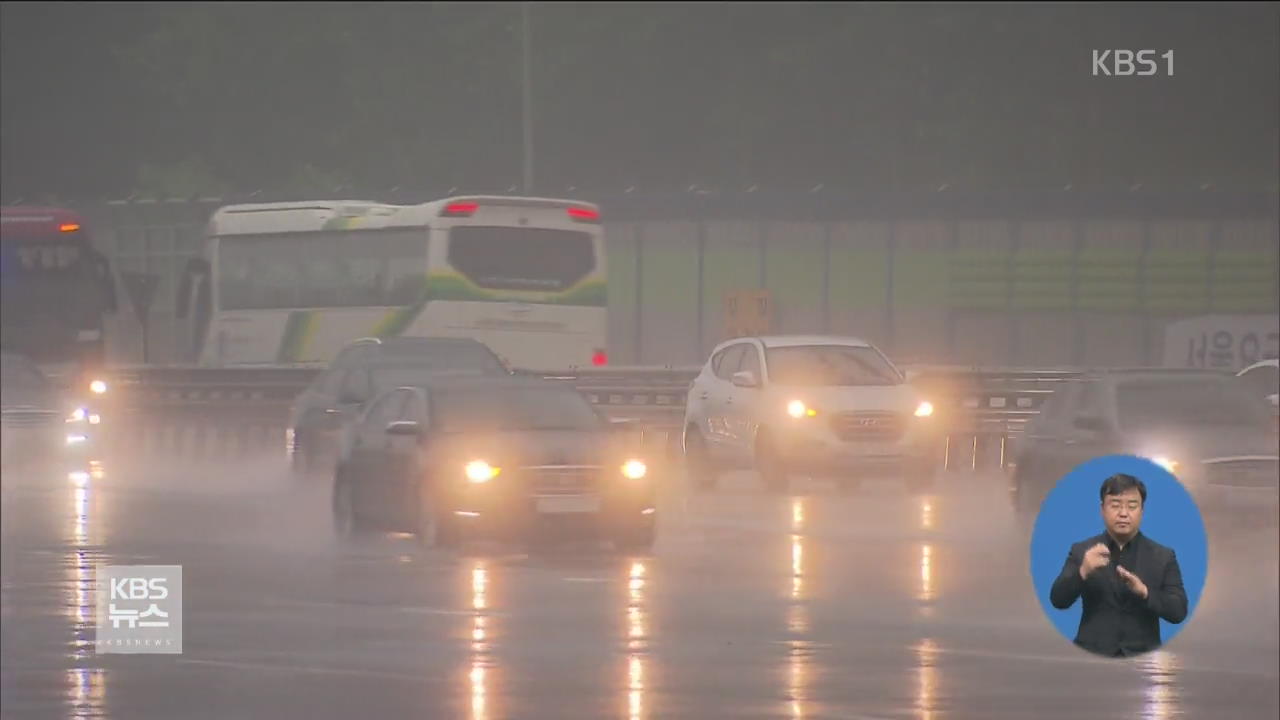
(1207, 428)
(357, 374)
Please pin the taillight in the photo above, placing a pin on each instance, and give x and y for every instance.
(460, 209)
(583, 214)
(599, 358)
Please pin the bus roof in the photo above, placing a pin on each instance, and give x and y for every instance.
(40, 221)
(428, 212)
(510, 201)
(313, 216)
(261, 218)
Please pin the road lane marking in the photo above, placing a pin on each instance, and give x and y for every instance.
(1099, 662)
(301, 669)
(417, 609)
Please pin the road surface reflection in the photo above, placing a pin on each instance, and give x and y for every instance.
(86, 687)
(637, 635)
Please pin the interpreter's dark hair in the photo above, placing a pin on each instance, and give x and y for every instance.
(1120, 482)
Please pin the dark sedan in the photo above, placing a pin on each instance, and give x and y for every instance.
(336, 397)
(502, 458)
(1205, 427)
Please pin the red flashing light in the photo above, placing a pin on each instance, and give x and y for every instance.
(599, 358)
(582, 214)
(68, 227)
(460, 209)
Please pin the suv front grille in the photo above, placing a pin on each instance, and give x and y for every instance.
(868, 426)
(562, 479)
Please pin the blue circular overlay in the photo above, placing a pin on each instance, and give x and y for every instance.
(1071, 513)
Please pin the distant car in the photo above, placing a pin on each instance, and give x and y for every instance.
(1207, 428)
(1264, 378)
(826, 406)
(333, 399)
(500, 458)
(41, 426)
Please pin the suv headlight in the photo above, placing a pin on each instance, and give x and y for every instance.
(479, 471)
(797, 409)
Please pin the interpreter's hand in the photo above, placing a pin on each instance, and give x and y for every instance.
(1096, 557)
(1134, 582)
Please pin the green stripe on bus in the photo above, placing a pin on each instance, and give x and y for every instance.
(298, 329)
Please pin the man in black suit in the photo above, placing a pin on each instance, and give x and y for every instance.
(1128, 581)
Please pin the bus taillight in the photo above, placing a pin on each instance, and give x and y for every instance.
(460, 209)
(582, 214)
(600, 358)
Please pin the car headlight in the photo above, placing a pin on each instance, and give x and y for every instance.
(1165, 462)
(924, 409)
(634, 469)
(79, 415)
(98, 387)
(479, 471)
(798, 409)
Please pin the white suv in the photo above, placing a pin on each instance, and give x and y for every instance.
(817, 406)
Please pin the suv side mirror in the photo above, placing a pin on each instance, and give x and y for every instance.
(746, 379)
(328, 419)
(405, 428)
(1093, 423)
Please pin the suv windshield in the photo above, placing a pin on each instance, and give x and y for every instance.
(829, 365)
(1155, 403)
(388, 376)
(507, 408)
(444, 357)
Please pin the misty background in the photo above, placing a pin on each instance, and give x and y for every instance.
(104, 100)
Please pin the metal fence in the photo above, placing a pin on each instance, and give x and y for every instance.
(1042, 279)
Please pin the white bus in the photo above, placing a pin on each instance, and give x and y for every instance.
(291, 283)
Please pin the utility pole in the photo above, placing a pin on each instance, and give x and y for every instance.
(528, 103)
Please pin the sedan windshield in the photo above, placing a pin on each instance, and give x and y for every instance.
(829, 365)
(1145, 403)
(506, 408)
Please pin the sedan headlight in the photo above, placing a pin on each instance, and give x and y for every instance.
(634, 469)
(924, 409)
(98, 387)
(798, 409)
(479, 471)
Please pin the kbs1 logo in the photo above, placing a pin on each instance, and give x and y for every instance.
(1123, 63)
(139, 609)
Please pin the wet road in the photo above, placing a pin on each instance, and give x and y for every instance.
(877, 604)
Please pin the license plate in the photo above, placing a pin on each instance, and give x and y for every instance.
(571, 504)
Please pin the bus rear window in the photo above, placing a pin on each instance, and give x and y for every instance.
(519, 258)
